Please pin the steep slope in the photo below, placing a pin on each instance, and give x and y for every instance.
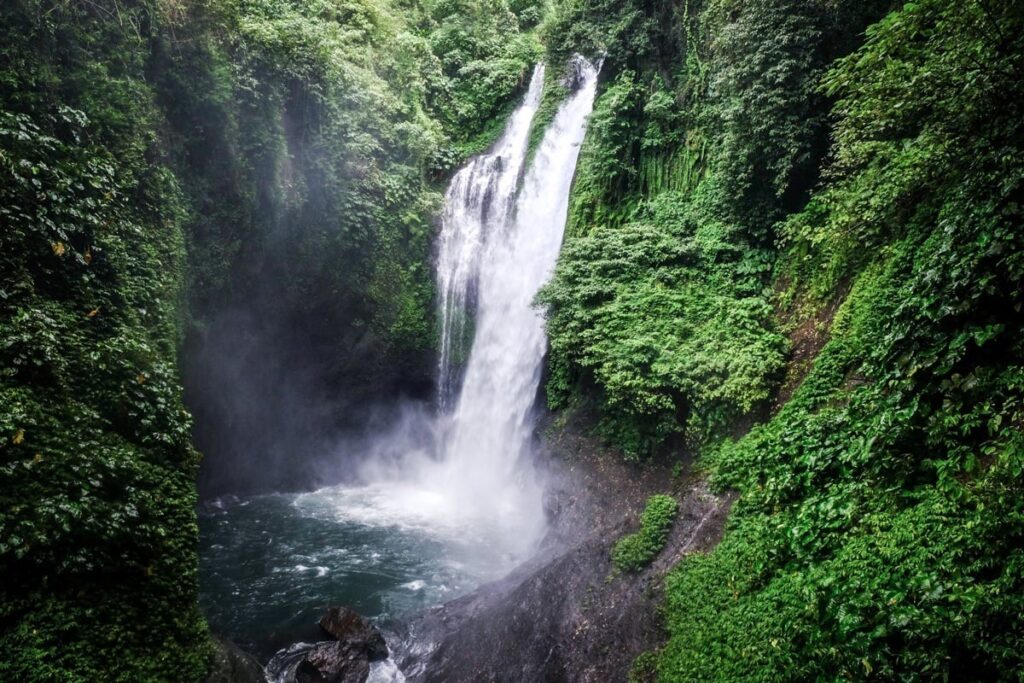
(877, 534)
(97, 528)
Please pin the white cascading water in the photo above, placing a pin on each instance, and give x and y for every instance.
(449, 499)
(486, 445)
(479, 202)
(464, 475)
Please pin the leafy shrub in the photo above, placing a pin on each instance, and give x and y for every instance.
(644, 668)
(656, 312)
(878, 533)
(634, 552)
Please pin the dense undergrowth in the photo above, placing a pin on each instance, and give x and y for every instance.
(880, 525)
(97, 529)
(230, 170)
(160, 163)
(704, 136)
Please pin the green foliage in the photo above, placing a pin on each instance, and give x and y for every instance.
(485, 59)
(645, 668)
(657, 312)
(97, 523)
(333, 114)
(553, 93)
(606, 163)
(634, 552)
(622, 32)
(878, 534)
(702, 137)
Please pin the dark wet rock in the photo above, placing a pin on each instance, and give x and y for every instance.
(566, 616)
(570, 619)
(563, 617)
(231, 664)
(348, 626)
(305, 672)
(323, 662)
(334, 662)
(573, 77)
(343, 660)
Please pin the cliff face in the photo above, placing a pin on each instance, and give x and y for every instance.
(97, 529)
(570, 614)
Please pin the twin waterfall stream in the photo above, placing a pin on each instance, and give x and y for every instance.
(503, 245)
(454, 501)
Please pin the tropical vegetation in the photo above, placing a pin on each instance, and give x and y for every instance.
(794, 255)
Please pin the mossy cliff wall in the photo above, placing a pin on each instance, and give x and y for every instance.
(252, 181)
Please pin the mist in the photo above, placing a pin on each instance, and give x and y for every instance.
(276, 410)
(400, 499)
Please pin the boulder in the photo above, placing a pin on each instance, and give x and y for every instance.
(348, 626)
(305, 672)
(333, 662)
(346, 659)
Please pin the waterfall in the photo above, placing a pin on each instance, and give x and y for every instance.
(508, 251)
(478, 202)
(465, 472)
(452, 499)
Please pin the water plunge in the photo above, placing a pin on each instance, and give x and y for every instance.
(501, 232)
(449, 499)
(478, 203)
(486, 444)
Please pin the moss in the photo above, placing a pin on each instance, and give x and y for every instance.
(634, 552)
(552, 96)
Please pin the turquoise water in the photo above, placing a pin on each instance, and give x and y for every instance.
(270, 564)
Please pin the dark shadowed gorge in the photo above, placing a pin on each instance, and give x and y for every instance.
(561, 340)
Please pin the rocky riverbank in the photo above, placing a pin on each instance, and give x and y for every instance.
(567, 614)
